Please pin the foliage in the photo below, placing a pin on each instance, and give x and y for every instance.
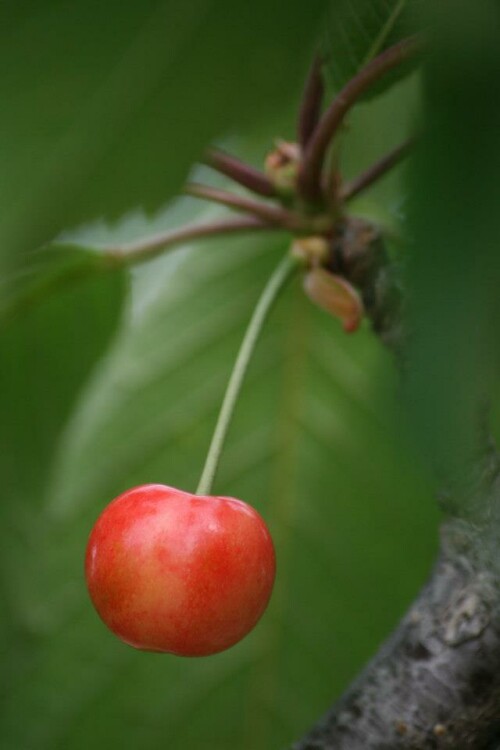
(116, 380)
(357, 31)
(96, 94)
(455, 269)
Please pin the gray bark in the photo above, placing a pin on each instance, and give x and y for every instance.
(435, 683)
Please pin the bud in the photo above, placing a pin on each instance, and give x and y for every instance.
(282, 166)
(311, 251)
(335, 295)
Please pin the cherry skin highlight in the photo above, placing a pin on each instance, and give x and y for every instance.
(179, 573)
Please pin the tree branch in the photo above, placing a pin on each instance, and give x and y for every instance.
(435, 683)
(358, 253)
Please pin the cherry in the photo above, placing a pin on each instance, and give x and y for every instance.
(174, 572)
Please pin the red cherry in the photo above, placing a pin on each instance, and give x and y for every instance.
(180, 573)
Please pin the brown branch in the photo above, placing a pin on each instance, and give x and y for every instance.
(377, 170)
(358, 253)
(111, 258)
(271, 214)
(145, 249)
(240, 172)
(332, 119)
(310, 107)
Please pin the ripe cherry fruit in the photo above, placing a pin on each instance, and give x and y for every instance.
(179, 573)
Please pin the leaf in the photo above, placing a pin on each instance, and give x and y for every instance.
(43, 273)
(359, 30)
(455, 265)
(106, 105)
(47, 355)
(311, 447)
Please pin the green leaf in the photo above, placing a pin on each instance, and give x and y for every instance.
(106, 105)
(455, 265)
(359, 30)
(312, 446)
(43, 273)
(47, 354)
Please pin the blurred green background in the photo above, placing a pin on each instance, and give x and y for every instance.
(117, 380)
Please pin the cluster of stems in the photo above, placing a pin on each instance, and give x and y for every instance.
(317, 196)
(301, 193)
(311, 204)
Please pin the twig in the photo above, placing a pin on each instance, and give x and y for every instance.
(377, 170)
(240, 172)
(271, 214)
(143, 250)
(332, 119)
(111, 258)
(310, 107)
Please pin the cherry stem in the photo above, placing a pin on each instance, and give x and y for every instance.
(240, 172)
(150, 247)
(269, 295)
(310, 106)
(377, 170)
(310, 177)
(271, 214)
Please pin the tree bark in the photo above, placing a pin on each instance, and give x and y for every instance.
(435, 683)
